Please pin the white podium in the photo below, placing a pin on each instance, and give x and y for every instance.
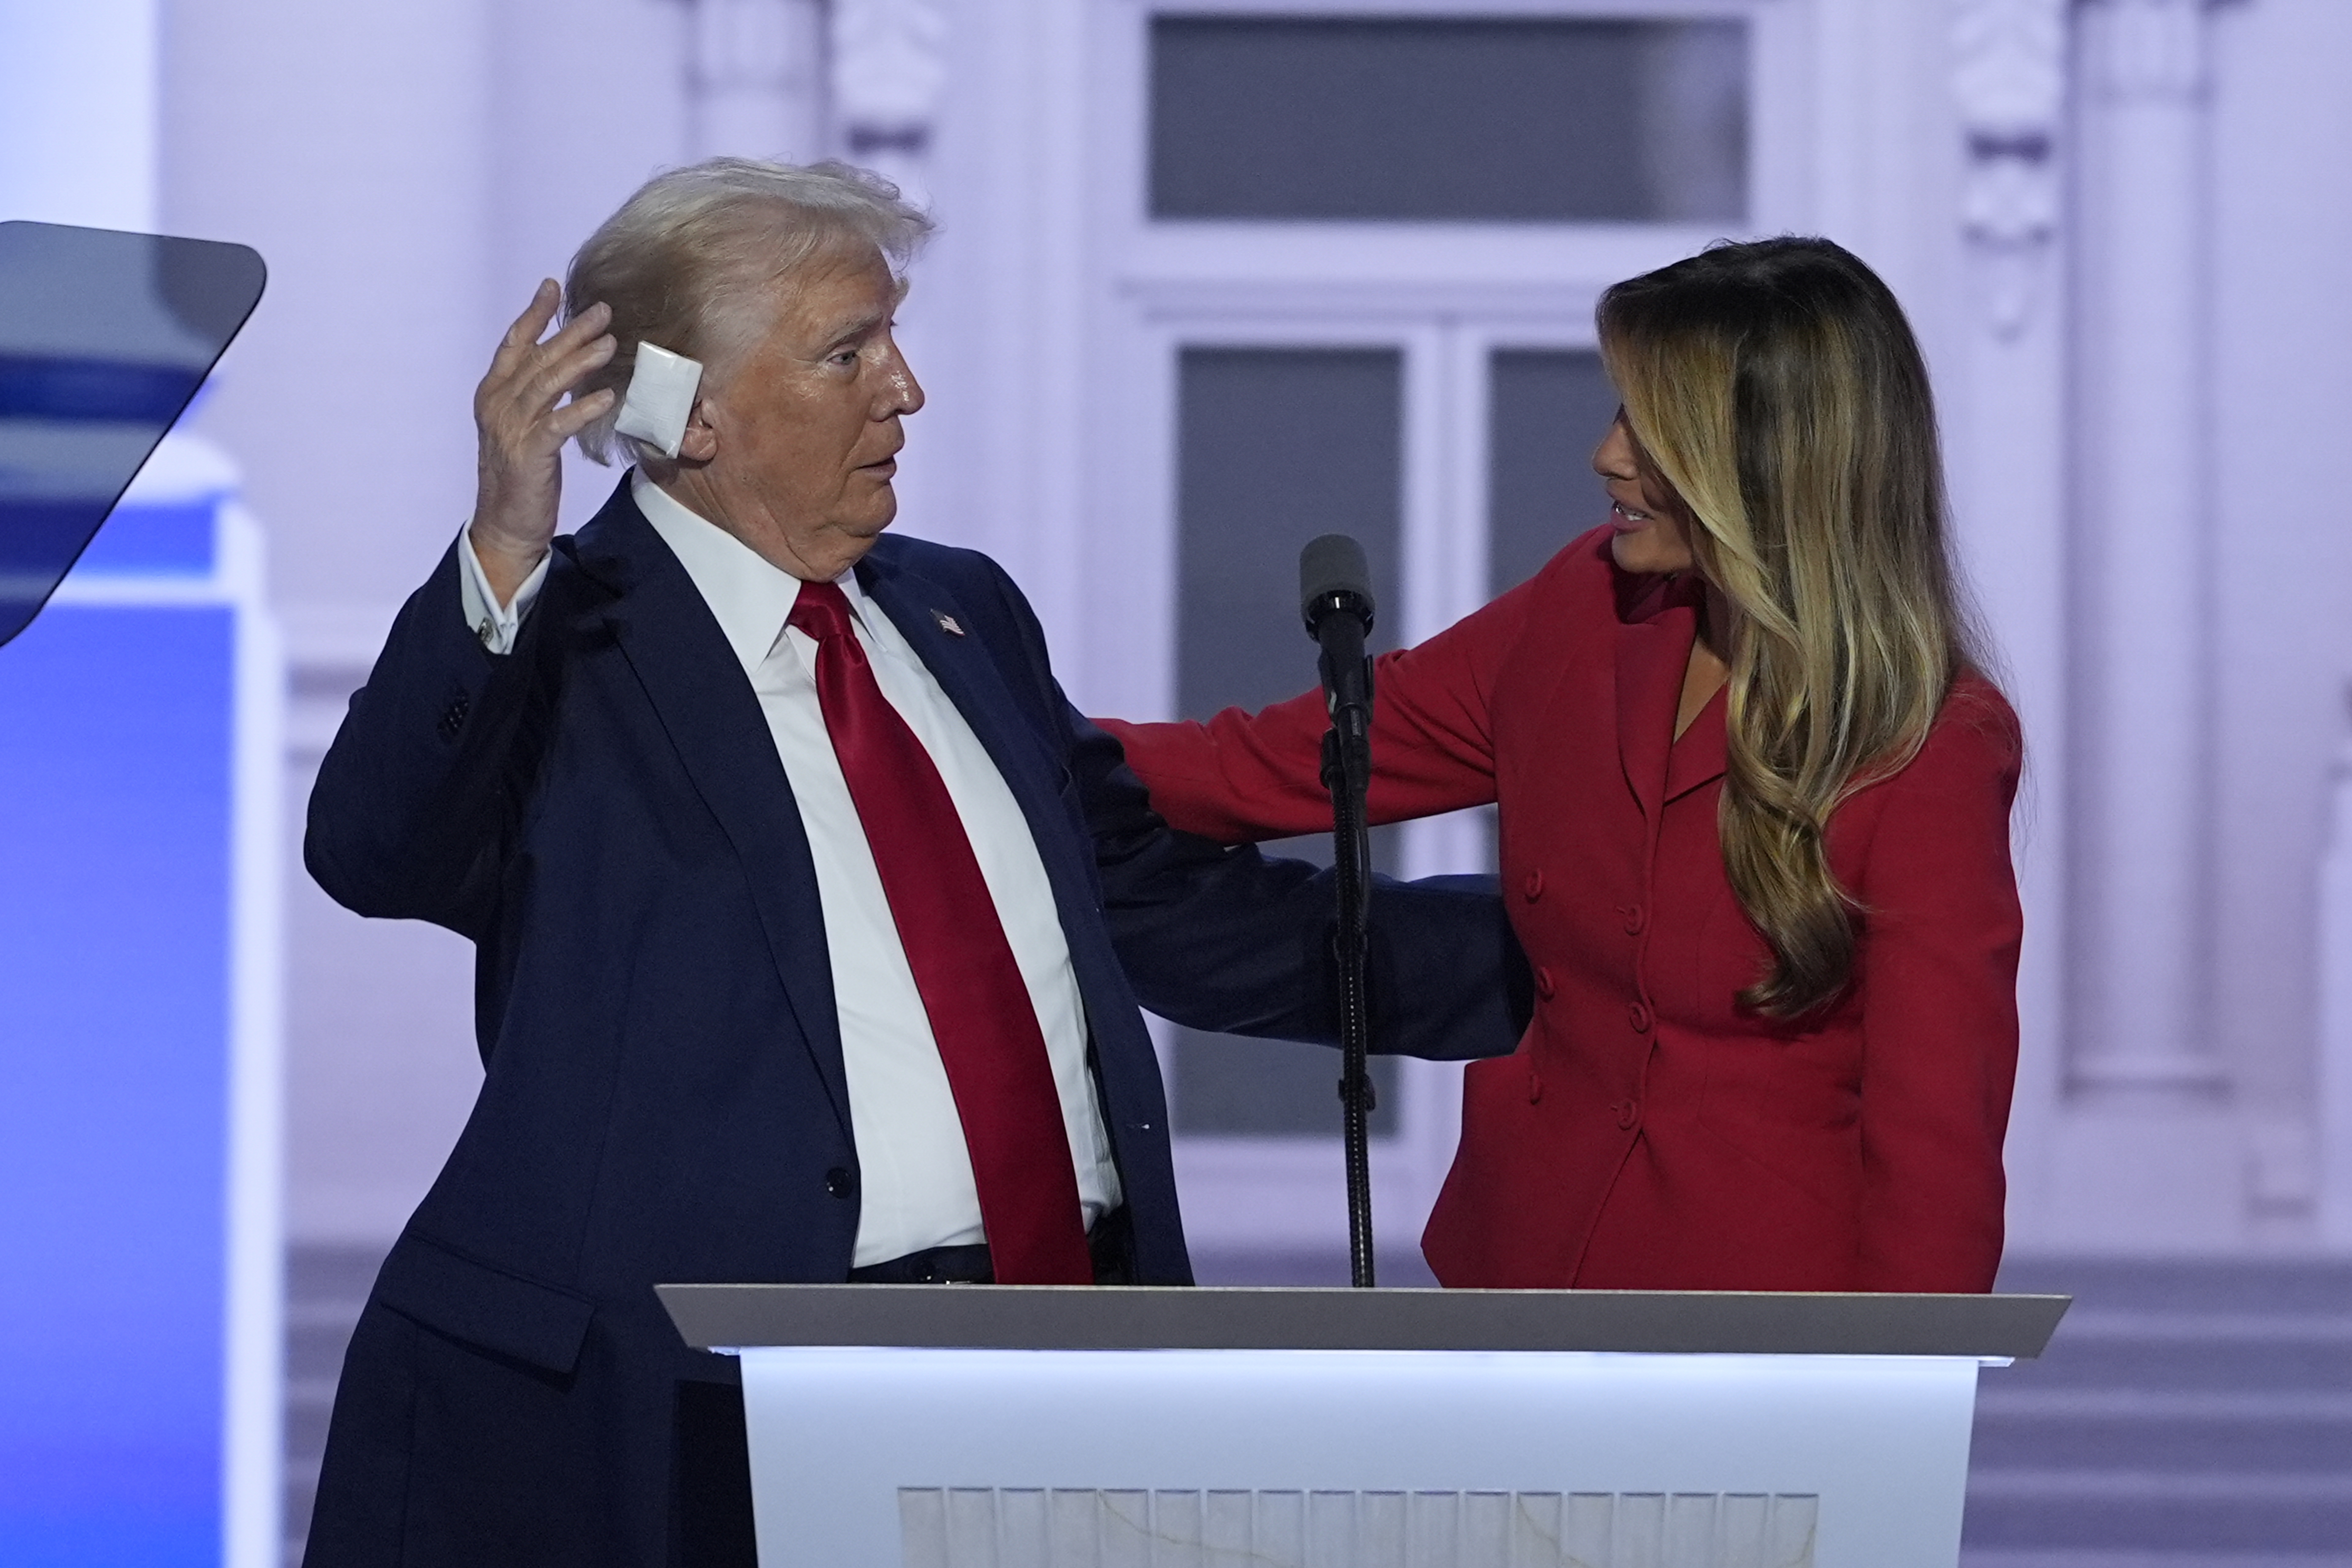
(956, 1426)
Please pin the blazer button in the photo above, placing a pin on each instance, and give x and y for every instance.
(1544, 986)
(840, 1182)
(1633, 916)
(1639, 1016)
(1535, 1086)
(1535, 884)
(1628, 1112)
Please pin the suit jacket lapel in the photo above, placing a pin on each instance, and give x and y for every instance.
(968, 673)
(1701, 755)
(1657, 622)
(1649, 659)
(707, 706)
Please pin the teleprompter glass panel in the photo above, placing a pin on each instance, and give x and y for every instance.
(1547, 409)
(1545, 120)
(1275, 447)
(104, 338)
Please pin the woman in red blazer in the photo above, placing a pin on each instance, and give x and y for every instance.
(1755, 804)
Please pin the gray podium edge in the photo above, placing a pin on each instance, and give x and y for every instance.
(1071, 1317)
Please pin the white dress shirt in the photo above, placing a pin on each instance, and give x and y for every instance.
(916, 1182)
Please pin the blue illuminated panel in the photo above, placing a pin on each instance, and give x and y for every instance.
(115, 769)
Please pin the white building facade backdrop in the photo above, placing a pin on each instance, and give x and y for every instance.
(2118, 226)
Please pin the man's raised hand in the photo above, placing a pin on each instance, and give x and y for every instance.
(522, 421)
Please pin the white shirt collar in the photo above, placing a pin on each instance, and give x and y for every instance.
(750, 596)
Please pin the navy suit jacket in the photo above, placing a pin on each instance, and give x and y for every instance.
(602, 812)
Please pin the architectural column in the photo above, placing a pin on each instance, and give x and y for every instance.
(756, 79)
(2335, 1075)
(890, 74)
(2010, 82)
(2142, 564)
(2007, 437)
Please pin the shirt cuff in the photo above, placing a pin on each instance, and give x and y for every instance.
(495, 625)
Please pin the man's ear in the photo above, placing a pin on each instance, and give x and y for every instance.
(699, 442)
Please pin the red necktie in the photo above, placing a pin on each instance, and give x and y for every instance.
(978, 1006)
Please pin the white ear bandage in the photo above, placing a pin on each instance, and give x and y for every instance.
(661, 396)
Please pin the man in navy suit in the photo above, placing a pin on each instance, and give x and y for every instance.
(811, 918)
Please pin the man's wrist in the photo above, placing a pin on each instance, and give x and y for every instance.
(493, 542)
(506, 564)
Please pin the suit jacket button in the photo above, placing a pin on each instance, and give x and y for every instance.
(840, 1182)
(1628, 1112)
(1639, 1016)
(1535, 1086)
(1535, 884)
(1632, 916)
(1543, 986)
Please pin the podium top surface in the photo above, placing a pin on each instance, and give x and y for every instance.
(1047, 1317)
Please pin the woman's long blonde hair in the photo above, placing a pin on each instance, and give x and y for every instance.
(1777, 387)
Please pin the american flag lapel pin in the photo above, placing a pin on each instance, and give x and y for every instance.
(946, 623)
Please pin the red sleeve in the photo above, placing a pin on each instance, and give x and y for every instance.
(1246, 776)
(1941, 930)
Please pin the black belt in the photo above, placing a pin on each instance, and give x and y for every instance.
(1111, 1243)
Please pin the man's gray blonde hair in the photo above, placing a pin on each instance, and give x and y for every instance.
(689, 260)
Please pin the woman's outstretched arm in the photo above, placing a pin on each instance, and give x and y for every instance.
(1241, 777)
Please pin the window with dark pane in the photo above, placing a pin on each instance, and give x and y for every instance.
(1274, 447)
(1547, 409)
(1541, 120)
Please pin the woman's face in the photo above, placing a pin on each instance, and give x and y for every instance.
(1652, 524)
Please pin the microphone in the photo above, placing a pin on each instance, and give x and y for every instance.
(1335, 594)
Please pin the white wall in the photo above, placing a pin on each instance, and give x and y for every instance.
(77, 121)
(410, 170)
(2283, 236)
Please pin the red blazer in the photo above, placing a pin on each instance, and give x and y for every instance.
(1649, 1133)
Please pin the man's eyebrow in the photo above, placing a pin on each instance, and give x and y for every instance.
(856, 326)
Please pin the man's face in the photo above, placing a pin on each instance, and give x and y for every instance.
(794, 454)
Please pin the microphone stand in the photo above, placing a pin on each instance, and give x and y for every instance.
(1347, 773)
